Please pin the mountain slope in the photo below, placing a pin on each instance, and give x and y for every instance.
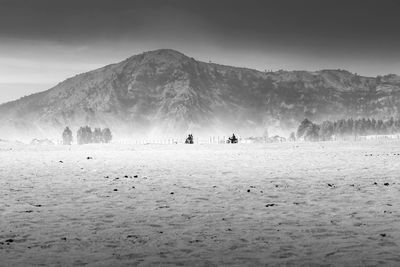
(166, 93)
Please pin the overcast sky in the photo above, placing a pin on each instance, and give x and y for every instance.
(43, 42)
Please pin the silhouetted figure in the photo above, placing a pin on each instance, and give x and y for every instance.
(189, 140)
(232, 140)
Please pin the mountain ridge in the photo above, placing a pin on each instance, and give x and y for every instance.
(166, 93)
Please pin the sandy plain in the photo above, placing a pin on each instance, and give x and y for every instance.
(287, 204)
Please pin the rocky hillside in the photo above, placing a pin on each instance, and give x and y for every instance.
(165, 93)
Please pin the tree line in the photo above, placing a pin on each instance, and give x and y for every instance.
(345, 128)
(86, 135)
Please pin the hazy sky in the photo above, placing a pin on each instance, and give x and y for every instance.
(43, 42)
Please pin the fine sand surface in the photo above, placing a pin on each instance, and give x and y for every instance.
(331, 203)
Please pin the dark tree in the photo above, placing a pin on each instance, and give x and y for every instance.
(346, 128)
(303, 127)
(106, 135)
(312, 132)
(327, 130)
(84, 135)
(97, 135)
(292, 137)
(67, 136)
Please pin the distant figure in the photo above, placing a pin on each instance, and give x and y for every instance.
(232, 140)
(189, 140)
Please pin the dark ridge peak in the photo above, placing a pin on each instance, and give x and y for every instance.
(336, 71)
(159, 55)
(165, 51)
(162, 53)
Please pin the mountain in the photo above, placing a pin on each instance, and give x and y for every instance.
(165, 93)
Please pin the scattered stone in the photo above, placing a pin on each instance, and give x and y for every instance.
(248, 190)
(135, 176)
(89, 158)
(29, 211)
(107, 176)
(270, 205)
(229, 229)
(276, 185)
(133, 187)
(386, 184)
(331, 185)
(382, 235)
(172, 193)
(37, 205)
(115, 189)
(9, 240)
(64, 238)
(163, 207)
(375, 183)
(352, 185)
(61, 161)
(126, 176)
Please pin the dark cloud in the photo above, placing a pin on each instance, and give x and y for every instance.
(331, 21)
(75, 35)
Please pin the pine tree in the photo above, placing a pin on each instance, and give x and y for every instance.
(312, 132)
(106, 135)
(67, 136)
(97, 135)
(327, 130)
(303, 127)
(84, 135)
(80, 136)
(292, 137)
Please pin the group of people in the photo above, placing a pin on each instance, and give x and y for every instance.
(189, 140)
(231, 140)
